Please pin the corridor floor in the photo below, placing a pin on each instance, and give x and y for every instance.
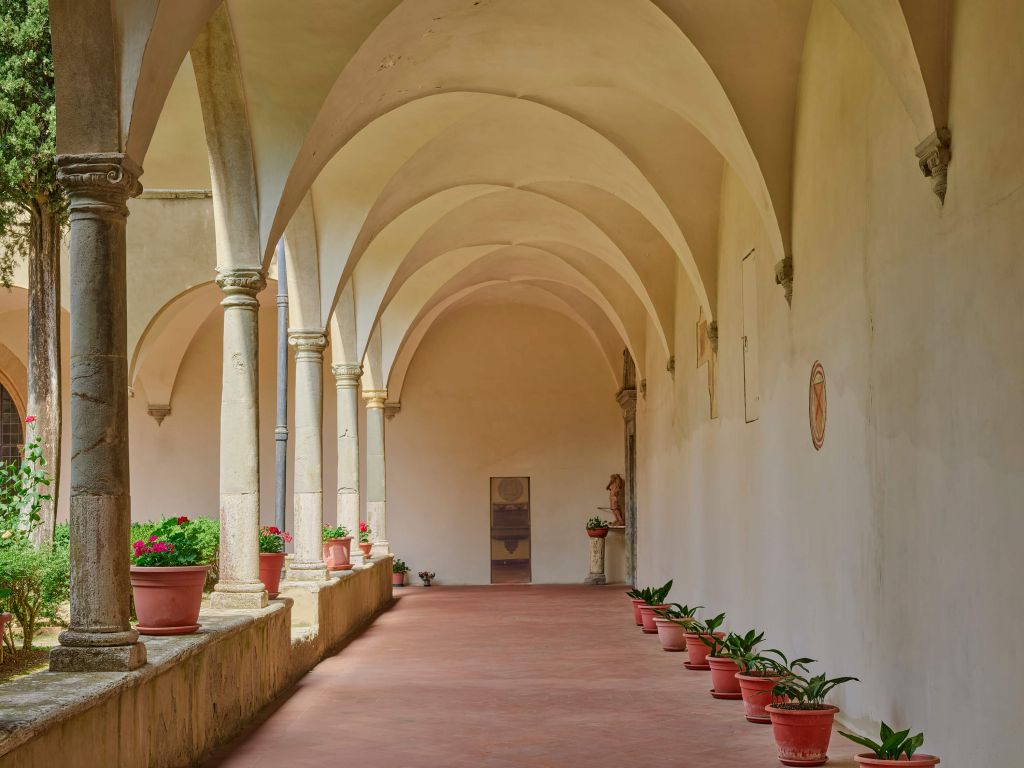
(507, 677)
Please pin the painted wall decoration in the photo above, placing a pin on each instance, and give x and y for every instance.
(510, 530)
(817, 405)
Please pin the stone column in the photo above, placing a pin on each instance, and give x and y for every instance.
(597, 574)
(239, 585)
(375, 470)
(346, 377)
(99, 637)
(308, 512)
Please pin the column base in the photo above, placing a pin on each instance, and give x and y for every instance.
(226, 600)
(110, 658)
(597, 579)
(299, 574)
(380, 549)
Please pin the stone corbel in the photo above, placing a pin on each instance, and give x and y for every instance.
(784, 277)
(933, 156)
(713, 335)
(158, 412)
(391, 410)
(670, 366)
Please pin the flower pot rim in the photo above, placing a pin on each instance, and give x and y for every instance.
(921, 758)
(719, 635)
(338, 538)
(275, 554)
(166, 568)
(825, 709)
(723, 660)
(748, 676)
(652, 607)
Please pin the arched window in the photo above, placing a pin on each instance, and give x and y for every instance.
(11, 435)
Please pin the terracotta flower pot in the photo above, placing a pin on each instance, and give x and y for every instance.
(398, 579)
(366, 547)
(647, 616)
(337, 554)
(271, 564)
(756, 690)
(167, 598)
(636, 611)
(698, 651)
(802, 735)
(671, 635)
(723, 678)
(597, 533)
(918, 761)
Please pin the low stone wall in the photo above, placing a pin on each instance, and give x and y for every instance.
(196, 692)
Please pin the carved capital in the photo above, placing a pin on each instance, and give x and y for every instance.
(99, 184)
(933, 156)
(784, 277)
(158, 412)
(375, 398)
(347, 374)
(713, 335)
(309, 344)
(626, 399)
(240, 286)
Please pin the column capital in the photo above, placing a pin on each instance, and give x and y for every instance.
(99, 184)
(307, 342)
(375, 397)
(933, 156)
(240, 286)
(348, 373)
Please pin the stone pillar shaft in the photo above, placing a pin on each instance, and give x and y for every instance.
(597, 574)
(346, 378)
(308, 513)
(376, 484)
(239, 585)
(99, 637)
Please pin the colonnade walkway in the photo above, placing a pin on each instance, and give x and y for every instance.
(507, 677)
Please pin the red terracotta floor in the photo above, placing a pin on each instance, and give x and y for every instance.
(507, 677)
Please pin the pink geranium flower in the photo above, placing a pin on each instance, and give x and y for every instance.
(29, 419)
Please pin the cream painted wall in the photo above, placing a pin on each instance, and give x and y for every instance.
(501, 390)
(891, 553)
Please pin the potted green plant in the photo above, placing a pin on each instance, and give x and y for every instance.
(636, 599)
(364, 539)
(337, 548)
(671, 623)
(597, 528)
(398, 571)
(696, 648)
(722, 658)
(653, 599)
(759, 672)
(272, 541)
(802, 725)
(167, 575)
(893, 748)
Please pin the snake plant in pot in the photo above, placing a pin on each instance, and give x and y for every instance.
(802, 726)
(671, 623)
(722, 657)
(759, 672)
(696, 648)
(649, 598)
(893, 748)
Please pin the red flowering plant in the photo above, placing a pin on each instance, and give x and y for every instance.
(364, 533)
(174, 542)
(273, 539)
(335, 532)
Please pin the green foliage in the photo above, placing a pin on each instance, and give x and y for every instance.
(734, 646)
(36, 583)
(807, 692)
(28, 126)
(891, 744)
(335, 532)
(679, 614)
(273, 539)
(596, 522)
(176, 541)
(707, 626)
(769, 663)
(398, 566)
(652, 595)
(20, 496)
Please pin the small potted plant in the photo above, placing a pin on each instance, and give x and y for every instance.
(654, 599)
(337, 547)
(696, 648)
(759, 672)
(672, 623)
(167, 576)
(723, 658)
(893, 748)
(597, 528)
(802, 725)
(272, 541)
(364, 539)
(637, 597)
(398, 571)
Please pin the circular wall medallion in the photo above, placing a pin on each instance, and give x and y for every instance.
(817, 405)
(510, 488)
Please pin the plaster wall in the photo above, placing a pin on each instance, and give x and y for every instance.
(502, 390)
(903, 528)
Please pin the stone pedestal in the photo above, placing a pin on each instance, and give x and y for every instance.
(239, 585)
(346, 378)
(308, 563)
(376, 485)
(99, 637)
(597, 574)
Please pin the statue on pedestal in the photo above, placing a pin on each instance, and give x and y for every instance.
(616, 487)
